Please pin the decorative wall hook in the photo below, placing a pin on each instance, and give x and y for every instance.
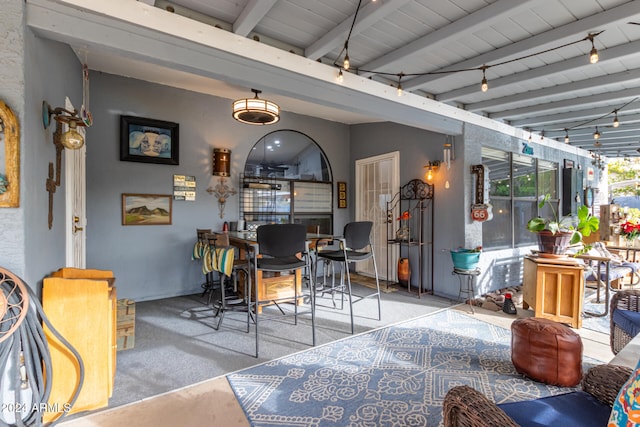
(221, 192)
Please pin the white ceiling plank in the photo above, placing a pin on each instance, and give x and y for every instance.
(469, 23)
(570, 118)
(367, 16)
(608, 98)
(528, 97)
(253, 12)
(612, 54)
(540, 41)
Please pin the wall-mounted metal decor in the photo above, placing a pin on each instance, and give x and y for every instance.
(10, 171)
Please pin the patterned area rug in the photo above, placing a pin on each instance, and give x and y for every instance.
(394, 376)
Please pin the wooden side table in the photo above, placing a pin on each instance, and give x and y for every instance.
(554, 288)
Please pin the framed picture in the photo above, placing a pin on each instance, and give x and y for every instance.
(149, 141)
(342, 195)
(568, 163)
(146, 209)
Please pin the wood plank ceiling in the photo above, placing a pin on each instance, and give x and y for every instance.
(554, 93)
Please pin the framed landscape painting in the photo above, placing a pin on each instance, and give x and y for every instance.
(146, 209)
(149, 140)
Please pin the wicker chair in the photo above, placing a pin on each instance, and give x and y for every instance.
(622, 300)
(465, 406)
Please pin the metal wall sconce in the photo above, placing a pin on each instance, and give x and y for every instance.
(221, 162)
(431, 167)
(70, 139)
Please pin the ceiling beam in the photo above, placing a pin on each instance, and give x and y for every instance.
(481, 18)
(557, 120)
(629, 76)
(546, 40)
(578, 120)
(624, 128)
(252, 13)
(606, 98)
(615, 53)
(367, 16)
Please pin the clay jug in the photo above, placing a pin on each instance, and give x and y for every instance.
(404, 271)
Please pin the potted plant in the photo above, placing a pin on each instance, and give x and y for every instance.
(556, 234)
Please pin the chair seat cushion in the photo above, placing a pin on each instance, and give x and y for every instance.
(280, 263)
(338, 256)
(616, 272)
(627, 320)
(571, 409)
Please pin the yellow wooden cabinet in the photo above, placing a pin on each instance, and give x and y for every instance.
(554, 288)
(81, 306)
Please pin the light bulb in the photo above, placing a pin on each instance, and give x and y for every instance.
(429, 175)
(593, 55)
(71, 139)
(340, 76)
(446, 184)
(346, 63)
(616, 122)
(566, 139)
(399, 89)
(485, 85)
(596, 134)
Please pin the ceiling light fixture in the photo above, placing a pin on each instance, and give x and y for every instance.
(346, 64)
(255, 111)
(593, 55)
(484, 86)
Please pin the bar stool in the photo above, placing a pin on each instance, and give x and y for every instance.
(209, 283)
(223, 260)
(467, 279)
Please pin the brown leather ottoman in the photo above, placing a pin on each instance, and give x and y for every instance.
(546, 351)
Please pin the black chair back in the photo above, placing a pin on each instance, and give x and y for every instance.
(281, 240)
(356, 234)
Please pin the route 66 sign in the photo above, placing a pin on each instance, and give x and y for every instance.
(481, 209)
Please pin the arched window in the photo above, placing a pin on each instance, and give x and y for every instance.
(287, 179)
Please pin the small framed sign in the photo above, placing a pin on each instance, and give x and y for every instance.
(342, 194)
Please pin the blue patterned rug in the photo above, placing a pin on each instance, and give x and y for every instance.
(393, 376)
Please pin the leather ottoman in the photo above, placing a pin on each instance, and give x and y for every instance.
(546, 351)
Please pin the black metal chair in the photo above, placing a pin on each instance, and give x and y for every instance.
(281, 248)
(355, 246)
(229, 300)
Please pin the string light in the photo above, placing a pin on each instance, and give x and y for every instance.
(399, 84)
(484, 86)
(340, 77)
(596, 134)
(616, 122)
(566, 136)
(593, 55)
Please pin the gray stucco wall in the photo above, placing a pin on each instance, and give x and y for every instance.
(153, 262)
(12, 220)
(33, 70)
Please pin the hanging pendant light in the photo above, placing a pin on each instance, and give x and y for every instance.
(256, 111)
